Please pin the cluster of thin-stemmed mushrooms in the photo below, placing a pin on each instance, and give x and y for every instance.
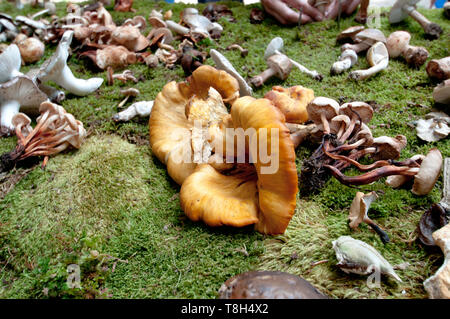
(347, 138)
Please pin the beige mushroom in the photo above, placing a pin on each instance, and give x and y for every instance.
(378, 58)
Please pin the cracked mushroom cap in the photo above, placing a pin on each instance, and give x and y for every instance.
(268, 285)
(388, 147)
(175, 109)
(264, 195)
(322, 105)
(291, 101)
(23, 90)
(9, 63)
(429, 172)
(361, 109)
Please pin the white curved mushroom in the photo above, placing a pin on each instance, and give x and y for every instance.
(378, 58)
(10, 62)
(142, 109)
(55, 69)
(347, 59)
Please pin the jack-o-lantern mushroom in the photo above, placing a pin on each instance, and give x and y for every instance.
(176, 108)
(264, 193)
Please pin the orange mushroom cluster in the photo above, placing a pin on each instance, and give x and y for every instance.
(238, 189)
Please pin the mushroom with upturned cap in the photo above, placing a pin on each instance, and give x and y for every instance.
(402, 8)
(55, 69)
(378, 58)
(356, 111)
(20, 93)
(268, 285)
(398, 44)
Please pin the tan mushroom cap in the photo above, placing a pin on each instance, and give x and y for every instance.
(350, 32)
(291, 101)
(170, 128)
(388, 147)
(364, 110)
(397, 42)
(322, 105)
(429, 172)
(365, 133)
(336, 122)
(370, 36)
(156, 22)
(130, 37)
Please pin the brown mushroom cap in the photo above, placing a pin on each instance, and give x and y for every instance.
(281, 64)
(388, 147)
(322, 105)
(268, 285)
(130, 37)
(429, 172)
(364, 110)
(365, 133)
(156, 22)
(336, 122)
(350, 33)
(31, 50)
(291, 101)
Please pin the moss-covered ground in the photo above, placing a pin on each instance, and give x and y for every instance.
(114, 197)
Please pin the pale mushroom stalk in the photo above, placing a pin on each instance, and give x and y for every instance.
(50, 8)
(141, 109)
(244, 52)
(279, 65)
(402, 8)
(276, 45)
(378, 58)
(346, 60)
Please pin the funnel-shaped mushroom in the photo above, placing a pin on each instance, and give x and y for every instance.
(55, 69)
(378, 58)
(176, 108)
(403, 8)
(264, 195)
(292, 102)
(19, 93)
(10, 63)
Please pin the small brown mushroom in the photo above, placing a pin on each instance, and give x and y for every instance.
(31, 49)
(398, 44)
(130, 92)
(321, 110)
(279, 66)
(439, 69)
(244, 52)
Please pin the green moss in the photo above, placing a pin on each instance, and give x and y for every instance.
(116, 197)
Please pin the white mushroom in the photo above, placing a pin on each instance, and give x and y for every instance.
(441, 93)
(347, 59)
(398, 44)
(222, 63)
(434, 127)
(21, 93)
(378, 58)
(142, 109)
(50, 8)
(10, 63)
(55, 69)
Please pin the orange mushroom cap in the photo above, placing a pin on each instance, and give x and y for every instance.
(291, 101)
(170, 124)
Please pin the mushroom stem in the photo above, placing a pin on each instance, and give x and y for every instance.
(244, 52)
(357, 47)
(325, 124)
(263, 77)
(383, 235)
(432, 30)
(9, 109)
(369, 177)
(177, 28)
(364, 74)
(347, 59)
(314, 74)
(77, 86)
